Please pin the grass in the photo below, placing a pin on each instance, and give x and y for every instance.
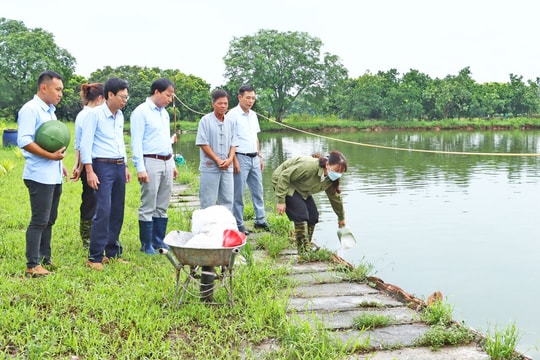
(438, 313)
(127, 311)
(439, 336)
(443, 331)
(501, 344)
(359, 273)
(372, 320)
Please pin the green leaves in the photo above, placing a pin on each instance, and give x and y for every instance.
(282, 66)
(24, 54)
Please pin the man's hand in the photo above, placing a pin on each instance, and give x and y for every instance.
(143, 177)
(58, 154)
(92, 179)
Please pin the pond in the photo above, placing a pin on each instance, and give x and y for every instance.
(463, 224)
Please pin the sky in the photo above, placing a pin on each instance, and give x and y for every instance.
(437, 37)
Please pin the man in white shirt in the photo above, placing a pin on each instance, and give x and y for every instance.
(248, 163)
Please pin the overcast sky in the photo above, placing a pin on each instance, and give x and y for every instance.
(438, 37)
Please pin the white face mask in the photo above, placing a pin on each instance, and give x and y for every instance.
(332, 175)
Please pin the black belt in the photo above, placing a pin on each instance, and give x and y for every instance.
(251, 155)
(109, 161)
(160, 157)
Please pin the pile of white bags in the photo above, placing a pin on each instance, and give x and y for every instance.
(208, 225)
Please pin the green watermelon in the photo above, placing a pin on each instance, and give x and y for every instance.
(53, 135)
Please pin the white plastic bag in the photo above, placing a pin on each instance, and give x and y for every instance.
(210, 224)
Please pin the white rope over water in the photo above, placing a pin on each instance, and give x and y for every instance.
(377, 146)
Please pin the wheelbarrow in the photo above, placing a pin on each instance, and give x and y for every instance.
(201, 266)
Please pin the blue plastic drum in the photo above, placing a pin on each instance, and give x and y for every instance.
(9, 138)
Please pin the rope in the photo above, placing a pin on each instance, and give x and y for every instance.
(377, 146)
(187, 107)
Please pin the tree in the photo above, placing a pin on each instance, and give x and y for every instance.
(192, 90)
(282, 66)
(362, 98)
(24, 54)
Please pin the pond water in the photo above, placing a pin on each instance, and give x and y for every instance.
(465, 225)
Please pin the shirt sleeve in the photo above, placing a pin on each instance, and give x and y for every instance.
(87, 137)
(290, 172)
(336, 201)
(26, 127)
(202, 133)
(136, 122)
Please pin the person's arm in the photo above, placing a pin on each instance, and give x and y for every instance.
(230, 158)
(35, 149)
(259, 154)
(27, 120)
(282, 179)
(211, 154)
(136, 122)
(77, 167)
(87, 142)
(336, 201)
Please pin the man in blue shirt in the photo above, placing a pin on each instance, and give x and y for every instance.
(103, 154)
(42, 172)
(152, 156)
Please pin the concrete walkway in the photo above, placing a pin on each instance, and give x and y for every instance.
(321, 295)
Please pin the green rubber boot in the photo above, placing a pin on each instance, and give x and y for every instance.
(302, 236)
(310, 230)
(84, 230)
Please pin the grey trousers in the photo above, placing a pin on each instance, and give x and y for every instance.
(156, 194)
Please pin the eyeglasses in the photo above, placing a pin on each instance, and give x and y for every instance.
(123, 97)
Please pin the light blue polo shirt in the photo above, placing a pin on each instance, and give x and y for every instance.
(36, 168)
(78, 126)
(102, 135)
(150, 132)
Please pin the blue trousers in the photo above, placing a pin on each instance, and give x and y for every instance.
(250, 175)
(44, 200)
(109, 216)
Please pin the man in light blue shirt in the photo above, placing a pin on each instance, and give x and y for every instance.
(152, 156)
(103, 154)
(42, 172)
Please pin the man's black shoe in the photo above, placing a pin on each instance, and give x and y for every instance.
(263, 226)
(243, 230)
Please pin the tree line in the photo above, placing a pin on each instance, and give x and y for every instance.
(289, 71)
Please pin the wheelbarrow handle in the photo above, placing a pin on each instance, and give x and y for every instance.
(171, 258)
